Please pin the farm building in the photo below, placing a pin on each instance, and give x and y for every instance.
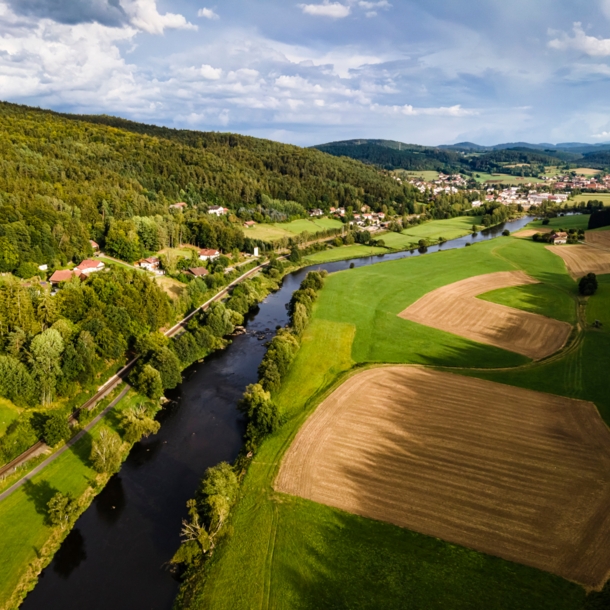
(249, 223)
(559, 237)
(150, 264)
(207, 254)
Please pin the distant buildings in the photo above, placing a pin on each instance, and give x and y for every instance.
(316, 212)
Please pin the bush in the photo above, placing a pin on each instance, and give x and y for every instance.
(506, 232)
(588, 285)
(56, 429)
(546, 221)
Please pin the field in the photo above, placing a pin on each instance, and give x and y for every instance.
(273, 232)
(454, 308)
(8, 413)
(427, 175)
(531, 232)
(295, 553)
(344, 253)
(581, 260)
(577, 221)
(601, 239)
(586, 171)
(173, 288)
(604, 197)
(510, 472)
(504, 179)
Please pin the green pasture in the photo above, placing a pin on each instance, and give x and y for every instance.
(426, 175)
(585, 197)
(578, 221)
(23, 513)
(598, 306)
(273, 232)
(8, 413)
(343, 253)
(293, 553)
(483, 177)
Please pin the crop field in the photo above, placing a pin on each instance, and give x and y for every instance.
(586, 171)
(531, 232)
(581, 260)
(510, 472)
(273, 232)
(454, 308)
(601, 239)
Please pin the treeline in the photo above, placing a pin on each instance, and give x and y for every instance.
(219, 489)
(598, 219)
(53, 347)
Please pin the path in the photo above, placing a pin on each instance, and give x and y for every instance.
(65, 448)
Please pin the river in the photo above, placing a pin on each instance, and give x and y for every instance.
(116, 556)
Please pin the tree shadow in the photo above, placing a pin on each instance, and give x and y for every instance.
(82, 447)
(111, 502)
(70, 555)
(39, 494)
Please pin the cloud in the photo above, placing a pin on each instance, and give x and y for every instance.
(141, 14)
(373, 5)
(595, 47)
(409, 110)
(604, 135)
(336, 10)
(208, 13)
(210, 73)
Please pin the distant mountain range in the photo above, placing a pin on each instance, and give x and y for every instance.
(520, 158)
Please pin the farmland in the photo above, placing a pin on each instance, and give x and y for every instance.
(599, 238)
(273, 232)
(302, 554)
(344, 253)
(469, 461)
(580, 259)
(584, 197)
(577, 221)
(455, 309)
(483, 177)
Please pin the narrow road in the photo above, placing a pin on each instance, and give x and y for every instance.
(70, 443)
(106, 388)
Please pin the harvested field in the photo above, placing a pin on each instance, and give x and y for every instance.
(507, 471)
(530, 232)
(581, 260)
(455, 309)
(600, 239)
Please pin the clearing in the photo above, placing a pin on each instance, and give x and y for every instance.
(510, 472)
(580, 259)
(172, 287)
(601, 239)
(454, 308)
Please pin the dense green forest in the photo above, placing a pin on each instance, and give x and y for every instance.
(394, 155)
(65, 179)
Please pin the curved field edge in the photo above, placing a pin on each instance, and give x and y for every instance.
(293, 553)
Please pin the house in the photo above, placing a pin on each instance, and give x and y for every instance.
(150, 264)
(197, 271)
(206, 254)
(43, 267)
(94, 245)
(476, 204)
(63, 275)
(316, 212)
(559, 237)
(217, 210)
(88, 266)
(249, 223)
(178, 206)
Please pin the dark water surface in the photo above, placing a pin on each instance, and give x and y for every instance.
(116, 556)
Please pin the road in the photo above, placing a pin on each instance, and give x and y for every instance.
(104, 390)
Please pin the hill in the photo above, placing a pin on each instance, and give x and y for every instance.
(66, 179)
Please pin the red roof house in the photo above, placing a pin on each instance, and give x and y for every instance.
(88, 266)
(63, 275)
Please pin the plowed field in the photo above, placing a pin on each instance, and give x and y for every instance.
(581, 260)
(530, 232)
(601, 239)
(454, 308)
(507, 471)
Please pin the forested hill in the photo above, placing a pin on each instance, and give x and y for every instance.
(467, 157)
(63, 178)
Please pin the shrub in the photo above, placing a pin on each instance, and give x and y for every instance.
(506, 232)
(588, 285)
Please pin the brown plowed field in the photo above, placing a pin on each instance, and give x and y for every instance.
(455, 309)
(581, 260)
(530, 232)
(507, 471)
(601, 239)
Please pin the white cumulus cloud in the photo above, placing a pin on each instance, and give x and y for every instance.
(207, 13)
(336, 10)
(595, 47)
(210, 73)
(144, 16)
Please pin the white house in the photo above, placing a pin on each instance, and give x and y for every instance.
(316, 212)
(150, 264)
(217, 210)
(206, 254)
(88, 266)
(559, 238)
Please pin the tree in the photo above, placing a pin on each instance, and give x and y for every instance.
(218, 319)
(137, 424)
(168, 365)
(46, 349)
(56, 429)
(218, 491)
(263, 415)
(299, 318)
(16, 383)
(61, 509)
(588, 285)
(106, 451)
(148, 382)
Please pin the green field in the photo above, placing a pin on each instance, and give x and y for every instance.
(8, 413)
(504, 178)
(23, 514)
(450, 228)
(292, 553)
(343, 253)
(426, 175)
(604, 197)
(578, 221)
(273, 232)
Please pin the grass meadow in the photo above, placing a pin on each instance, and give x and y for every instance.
(483, 177)
(584, 197)
(343, 253)
(273, 232)
(23, 520)
(293, 553)
(578, 221)
(8, 413)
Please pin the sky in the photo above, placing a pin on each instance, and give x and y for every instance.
(422, 71)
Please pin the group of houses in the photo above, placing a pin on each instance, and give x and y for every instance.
(84, 269)
(515, 195)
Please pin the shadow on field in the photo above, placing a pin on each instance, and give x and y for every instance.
(39, 494)
(70, 555)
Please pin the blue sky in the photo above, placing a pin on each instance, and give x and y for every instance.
(421, 71)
